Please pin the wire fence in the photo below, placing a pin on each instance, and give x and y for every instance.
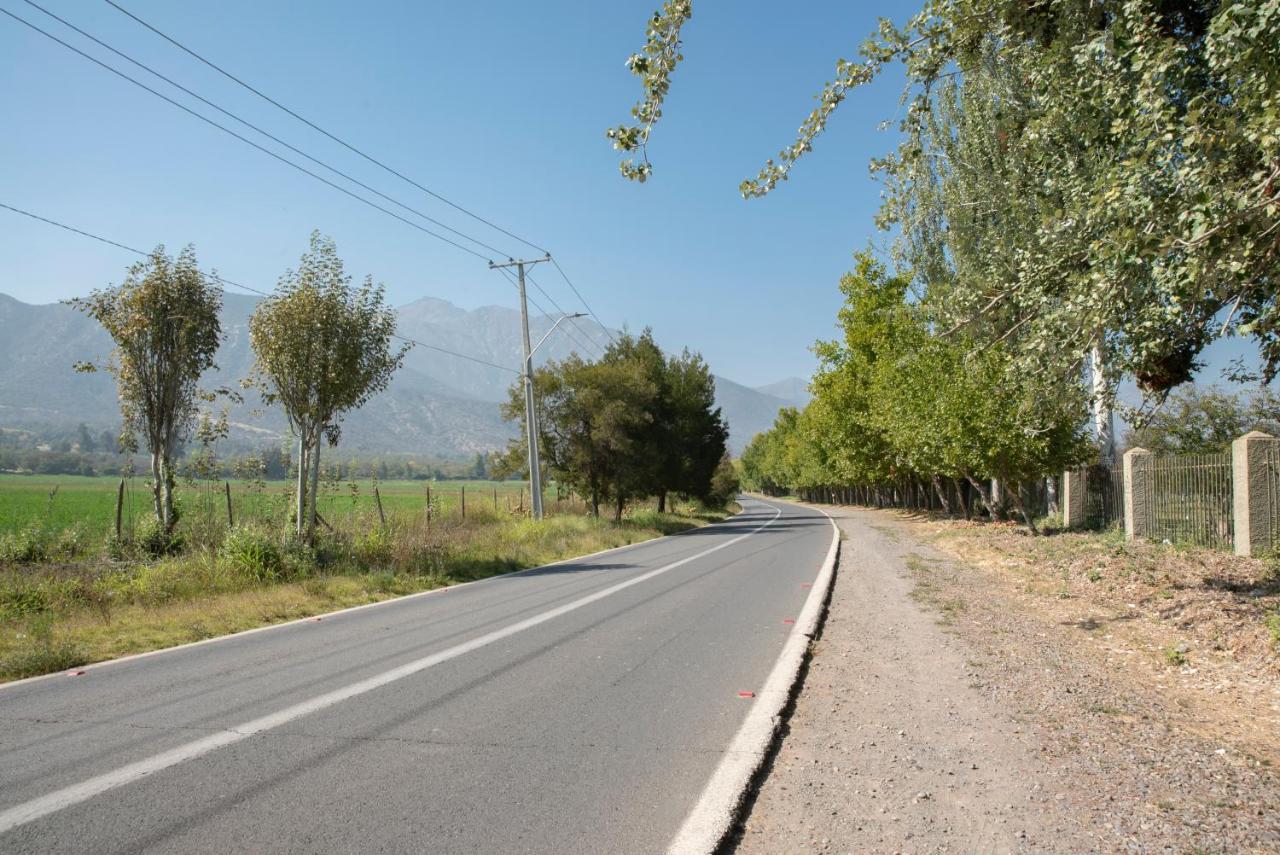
(1190, 499)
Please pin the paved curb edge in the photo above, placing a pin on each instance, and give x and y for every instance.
(718, 809)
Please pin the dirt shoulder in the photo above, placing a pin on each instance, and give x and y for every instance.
(974, 689)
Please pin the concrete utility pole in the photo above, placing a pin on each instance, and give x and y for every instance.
(530, 412)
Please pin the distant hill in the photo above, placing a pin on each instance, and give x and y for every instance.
(436, 404)
(793, 390)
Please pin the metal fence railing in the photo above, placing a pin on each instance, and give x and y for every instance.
(1272, 498)
(1104, 497)
(1190, 499)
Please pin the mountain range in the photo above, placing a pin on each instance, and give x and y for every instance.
(437, 403)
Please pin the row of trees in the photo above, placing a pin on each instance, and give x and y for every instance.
(634, 424)
(893, 399)
(1083, 189)
(321, 348)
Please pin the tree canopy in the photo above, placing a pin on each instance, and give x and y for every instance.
(1074, 177)
(322, 348)
(164, 322)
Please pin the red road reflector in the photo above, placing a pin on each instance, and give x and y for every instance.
(789, 620)
(806, 584)
(75, 673)
(746, 694)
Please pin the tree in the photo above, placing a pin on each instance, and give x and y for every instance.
(322, 348)
(696, 434)
(1137, 140)
(725, 483)
(164, 322)
(1205, 420)
(84, 439)
(594, 420)
(686, 433)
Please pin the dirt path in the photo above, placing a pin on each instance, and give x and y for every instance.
(938, 716)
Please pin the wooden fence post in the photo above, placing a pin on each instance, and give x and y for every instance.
(231, 521)
(119, 506)
(428, 507)
(464, 501)
(377, 498)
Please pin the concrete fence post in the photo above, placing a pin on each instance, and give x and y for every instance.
(1073, 493)
(1137, 493)
(1252, 514)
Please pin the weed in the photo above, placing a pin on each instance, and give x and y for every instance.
(1273, 627)
(27, 546)
(1174, 657)
(151, 539)
(253, 553)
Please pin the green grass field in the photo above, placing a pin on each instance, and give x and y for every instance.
(55, 503)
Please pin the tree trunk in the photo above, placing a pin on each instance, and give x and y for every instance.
(942, 496)
(304, 471)
(1016, 495)
(617, 510)
(314, 460)
(982, 492)
(1104, 418)
(964, 506)
(166, 491)
(662, 501)
(156, 499)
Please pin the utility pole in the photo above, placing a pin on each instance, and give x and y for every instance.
(530, 412)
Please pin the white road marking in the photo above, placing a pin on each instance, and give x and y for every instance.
(76, 793)
(717, 807)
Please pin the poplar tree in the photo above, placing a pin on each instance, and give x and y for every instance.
(322, 348)
(164, 322)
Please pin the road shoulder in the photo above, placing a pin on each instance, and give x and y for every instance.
(890, 747)
(941, 711)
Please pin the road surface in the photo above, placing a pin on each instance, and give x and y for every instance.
(579, 707)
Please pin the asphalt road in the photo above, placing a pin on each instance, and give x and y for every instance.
(579, 707)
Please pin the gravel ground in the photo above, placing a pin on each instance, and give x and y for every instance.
(942, 710)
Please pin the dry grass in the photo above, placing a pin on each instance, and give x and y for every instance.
(1199, 627)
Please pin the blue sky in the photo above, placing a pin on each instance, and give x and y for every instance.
(500, 106)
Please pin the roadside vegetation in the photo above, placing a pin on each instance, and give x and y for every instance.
(94, 568)
(68, 597)
(1081, 195)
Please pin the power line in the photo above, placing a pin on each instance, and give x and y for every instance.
(572, 322)
(316, 127)
(265, 133)
(243, 139)
(362, 154)
(515, 284)
(309, 157)
(582, 299)
(242, 287)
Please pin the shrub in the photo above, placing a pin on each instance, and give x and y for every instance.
(253, 553)
(28, 546)
(375, 548)
(152, 540)
(19, 601)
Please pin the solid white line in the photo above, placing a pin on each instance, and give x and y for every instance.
(76, 793)
(709, 821)
(146, 654)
